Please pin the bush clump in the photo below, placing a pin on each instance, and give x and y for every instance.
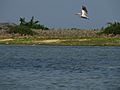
(22, 30)
(34, 24)
(112, 28)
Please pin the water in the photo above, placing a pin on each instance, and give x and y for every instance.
(59, 68)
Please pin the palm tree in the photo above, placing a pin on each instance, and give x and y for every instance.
(22, 21)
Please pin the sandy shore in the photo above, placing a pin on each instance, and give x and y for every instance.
(77, 41)
(6, 40)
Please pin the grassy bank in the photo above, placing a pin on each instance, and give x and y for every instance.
(65, 41)
(61, 37)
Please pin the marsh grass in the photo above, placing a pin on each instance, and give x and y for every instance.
(66, 33)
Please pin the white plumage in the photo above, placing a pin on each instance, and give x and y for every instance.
(84, 13)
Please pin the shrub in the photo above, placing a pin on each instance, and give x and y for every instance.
(32, 24)
(112, 28)
(22, 30)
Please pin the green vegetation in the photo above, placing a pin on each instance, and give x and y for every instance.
(32, 24)
(112, 28)
(25, 28)
(22, 30)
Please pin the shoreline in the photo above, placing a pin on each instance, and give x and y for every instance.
(62, 42)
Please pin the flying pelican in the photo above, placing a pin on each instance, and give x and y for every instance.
(84, 13)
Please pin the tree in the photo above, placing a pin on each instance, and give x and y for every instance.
(22, 21)
(112, 28)
(34, 24)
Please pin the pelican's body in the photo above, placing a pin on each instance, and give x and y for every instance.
(84, 13)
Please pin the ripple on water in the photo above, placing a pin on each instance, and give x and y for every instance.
(59, 68)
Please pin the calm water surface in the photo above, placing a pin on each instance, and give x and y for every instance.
(59, 68)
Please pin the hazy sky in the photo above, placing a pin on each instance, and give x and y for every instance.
(60, 13)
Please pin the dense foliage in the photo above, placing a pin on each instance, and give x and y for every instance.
(22, 30)
(32, 24)
(112, 28)
(25, 28)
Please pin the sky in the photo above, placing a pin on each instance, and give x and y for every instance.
(61, 13)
